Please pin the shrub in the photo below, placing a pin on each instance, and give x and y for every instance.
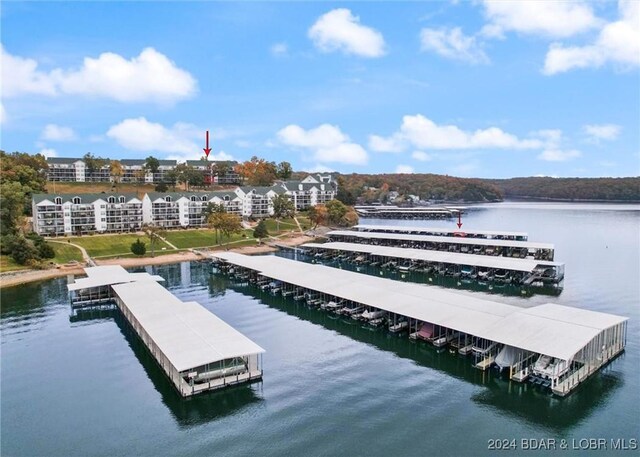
(261, 230)
(138, 247)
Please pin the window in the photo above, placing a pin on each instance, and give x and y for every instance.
(76, 200)
(121, 199)
(226, 198)
(58, 201)
(111, 200)
(204, 198)
(167, 198)
(193, 198)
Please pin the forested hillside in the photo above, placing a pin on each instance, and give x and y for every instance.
(609, 189)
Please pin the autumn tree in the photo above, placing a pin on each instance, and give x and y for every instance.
(257, 172)
(318, 215)
(116, 171)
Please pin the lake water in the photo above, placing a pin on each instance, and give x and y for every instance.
(84, 385)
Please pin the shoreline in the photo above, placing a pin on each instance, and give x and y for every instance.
(16, 278)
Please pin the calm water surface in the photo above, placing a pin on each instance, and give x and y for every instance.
(85, 385)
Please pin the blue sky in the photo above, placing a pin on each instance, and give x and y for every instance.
(488, 89)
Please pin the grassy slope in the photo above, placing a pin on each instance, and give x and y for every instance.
(97, 187)
(8, 264)
(184, 239)
(66, 253)
(104, 245)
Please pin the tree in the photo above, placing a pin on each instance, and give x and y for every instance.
(13, 197)
(225, 223)
(318, 215)
(152, 164)
(335, 211)
(284, 170)
(45, 250)
(171, 177)
(220, 168)
(282, 207)
(161, 187)
(92, 163)
(257, 172)
(116, 170)
(155, 234)
(24, 251)
(261, 230)
(138, 247)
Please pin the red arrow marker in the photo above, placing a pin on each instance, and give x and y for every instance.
(459, 223)
(207, 149)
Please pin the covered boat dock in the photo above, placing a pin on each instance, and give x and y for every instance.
(396, 212)
(439, 231)
(464, 245)
(556, 346)
(483, 267)
(196, 349)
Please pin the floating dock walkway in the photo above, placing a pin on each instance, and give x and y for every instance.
(553, 345)
(435, 231)
(396, 212)
(482, 267)
(492, 247)
(196, 349)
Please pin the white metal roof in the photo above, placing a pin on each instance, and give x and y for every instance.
(187, 334)
(506, 263)
(439, 239)
(553, 330)
(108, 275)
(418, 229)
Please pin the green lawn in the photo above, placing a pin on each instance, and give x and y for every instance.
(104, 245)
(184, 239)
(305, 223)
(286, 225)
(66, 253)
(8, 264)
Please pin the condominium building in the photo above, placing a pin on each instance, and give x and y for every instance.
(75, 170)
(134, 170)
(217, 171)
(311, 191)
(69, 214)
(181, 210)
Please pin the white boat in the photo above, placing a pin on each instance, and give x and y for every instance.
(369, 315)
(399, 327)
(550, 368)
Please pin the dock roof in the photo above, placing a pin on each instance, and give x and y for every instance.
(549, 329)
(424, 255)
(108, 275)
(188, 334)
(419, 229)
(439, 239)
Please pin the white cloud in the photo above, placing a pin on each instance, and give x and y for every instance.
(317, 168)
(421, 156)
(556, 155)
(555, 19)
(326, 143)
(150, 76)
(452, 44)
(53, 132)
(406, 169)
(381, 144)
(598, 132)
(422, 132)
(48, 152)
(618, 42)
(279, 49)
(340, 30)
(20, 76)
(141, 135)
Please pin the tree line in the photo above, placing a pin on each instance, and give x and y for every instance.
(605, 189)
